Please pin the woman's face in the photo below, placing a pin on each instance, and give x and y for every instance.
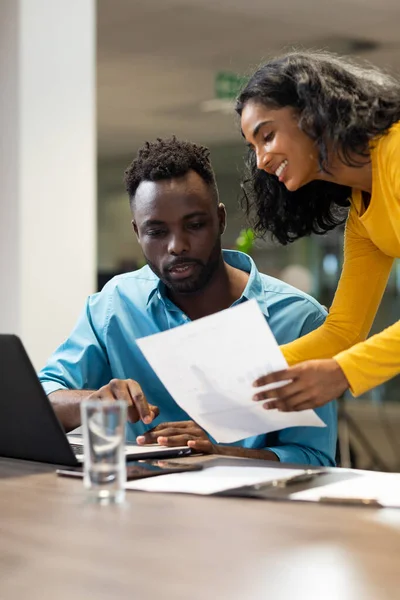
(281, 147)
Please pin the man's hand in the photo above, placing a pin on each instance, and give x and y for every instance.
(181, 433)
(130, 391)
(313, 383)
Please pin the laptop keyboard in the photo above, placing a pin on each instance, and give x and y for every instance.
(77, 449)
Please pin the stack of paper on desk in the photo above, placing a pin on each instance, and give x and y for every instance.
(357, 488)
(211, 480)
(208, 366)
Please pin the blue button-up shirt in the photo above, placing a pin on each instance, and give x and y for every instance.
(133, 305)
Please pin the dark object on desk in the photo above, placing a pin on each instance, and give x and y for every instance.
(29, 428)
(141, 468)
(369, 502)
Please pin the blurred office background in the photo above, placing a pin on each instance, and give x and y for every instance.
(127, 71)
(169, 66)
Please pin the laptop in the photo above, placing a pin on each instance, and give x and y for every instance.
(29, 427)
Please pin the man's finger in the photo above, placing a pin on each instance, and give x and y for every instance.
(205, 446)
(151, 437)
(139, 401)
(174, 440)
(155, 411)
(167, 432)
(132, 414)
(117, 389)
(175, 424)
(106, 392)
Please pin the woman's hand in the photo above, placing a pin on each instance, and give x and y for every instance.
(313, 383)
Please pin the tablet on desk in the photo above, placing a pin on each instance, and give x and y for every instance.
(140, 469)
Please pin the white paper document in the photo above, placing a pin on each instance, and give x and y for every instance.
(211, 480)
(382, 487)
(208, 366)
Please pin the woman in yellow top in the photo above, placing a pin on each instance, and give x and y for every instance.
(324, 133)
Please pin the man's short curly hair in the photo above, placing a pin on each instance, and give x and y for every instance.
(167, 159)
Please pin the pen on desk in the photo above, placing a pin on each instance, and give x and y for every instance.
(372, 502)
(303, 477)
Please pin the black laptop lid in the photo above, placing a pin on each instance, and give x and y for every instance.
(29, 428)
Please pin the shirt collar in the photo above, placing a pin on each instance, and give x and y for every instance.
(254, 287)
(159, 293)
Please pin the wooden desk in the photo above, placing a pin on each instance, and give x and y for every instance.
(54, 546)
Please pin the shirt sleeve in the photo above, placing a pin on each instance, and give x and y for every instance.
(391, 156)
(81, 361)
(310, 445)
(364, 277)
(373, 362)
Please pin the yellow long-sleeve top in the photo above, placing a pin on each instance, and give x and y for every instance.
(372, 241)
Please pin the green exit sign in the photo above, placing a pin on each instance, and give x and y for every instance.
(228, 85)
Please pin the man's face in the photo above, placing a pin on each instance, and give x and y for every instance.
(179, 225)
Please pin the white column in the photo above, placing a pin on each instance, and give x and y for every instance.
(47, 168)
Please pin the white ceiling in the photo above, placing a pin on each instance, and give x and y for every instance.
(157, 59)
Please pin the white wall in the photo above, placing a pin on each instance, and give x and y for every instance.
(47, 168)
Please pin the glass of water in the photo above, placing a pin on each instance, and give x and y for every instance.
(103, 428)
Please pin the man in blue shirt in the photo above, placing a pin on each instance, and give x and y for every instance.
(178, 221)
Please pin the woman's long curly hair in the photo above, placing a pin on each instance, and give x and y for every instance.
(339, 104)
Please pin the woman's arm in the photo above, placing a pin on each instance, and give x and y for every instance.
(373, 362)
(349, 360)
(363, 280)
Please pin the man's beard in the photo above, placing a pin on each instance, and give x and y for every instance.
(198, 280)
